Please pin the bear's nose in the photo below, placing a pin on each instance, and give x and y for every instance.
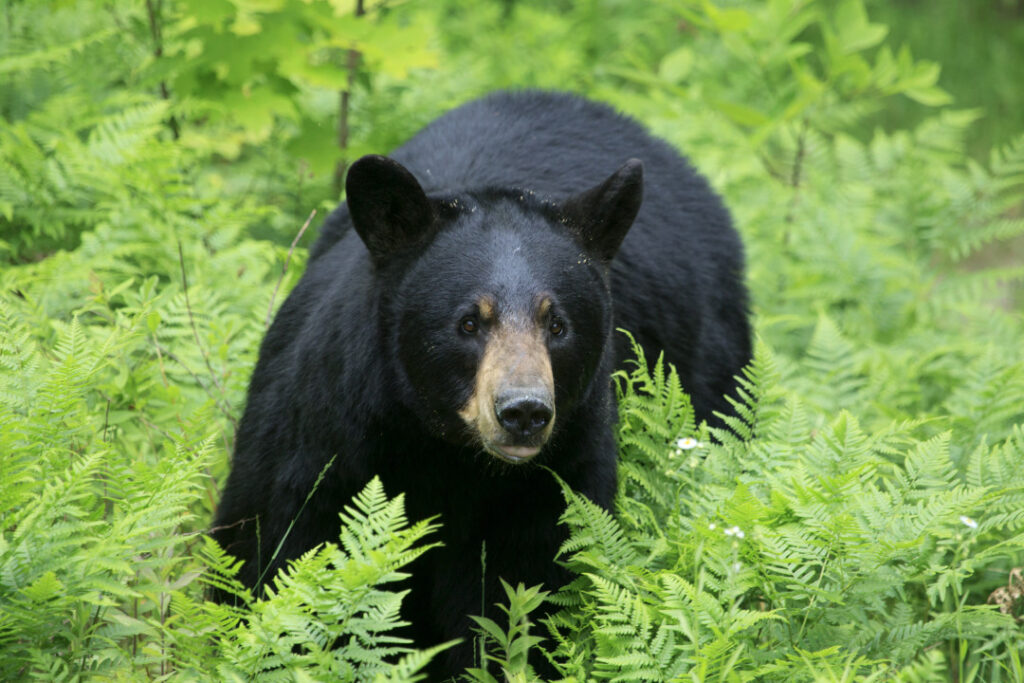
(522, 415)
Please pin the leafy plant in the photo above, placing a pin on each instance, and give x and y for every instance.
(509, 648)
(756, 552)
(98, 575)
(327, 616)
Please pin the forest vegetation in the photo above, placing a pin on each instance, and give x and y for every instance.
(860, 518)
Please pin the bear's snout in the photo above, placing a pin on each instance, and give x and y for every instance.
(512, 409)
(523, 414)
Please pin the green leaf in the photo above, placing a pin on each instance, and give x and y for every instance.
(728, 20)
(676, 65)
(932, 96)
(740, 113)
(44, 588)
(853, 30)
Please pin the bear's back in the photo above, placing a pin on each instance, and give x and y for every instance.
(553, 143)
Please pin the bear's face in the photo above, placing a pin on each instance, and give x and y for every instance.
(497, 304)
(502, 322)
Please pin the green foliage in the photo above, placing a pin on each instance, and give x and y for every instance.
(98, 573)
(107, 451)
(327, 617)
(779, 551)
(859, 518)
(248, 65)
(988, 36)
(509, 649)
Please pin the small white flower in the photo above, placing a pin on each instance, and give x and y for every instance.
(712, 526)
(737, 567)
(687, 443)
(735, 531)
(968, 522)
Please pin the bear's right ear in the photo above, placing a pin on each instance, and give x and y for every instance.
(602, 216)
(389, 209)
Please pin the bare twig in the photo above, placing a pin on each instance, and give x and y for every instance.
(154, 13)
(195, 334)
(220, 402)
(287, 260)
(795, 177)
(160, 361)
(220, 527)
(108, 504)
(352, 63)
(89, 633)
(106, 422)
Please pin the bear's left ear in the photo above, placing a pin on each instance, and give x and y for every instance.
(389, 209)
(602, 216)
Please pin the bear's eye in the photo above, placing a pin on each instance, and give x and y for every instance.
(469, 325)
(556, 327)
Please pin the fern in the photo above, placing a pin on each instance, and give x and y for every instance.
(327, 613)
(816, 542)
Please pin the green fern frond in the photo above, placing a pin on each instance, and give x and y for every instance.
(221, 569)
(836, 382)
(1007, 164)
(990, 398)
(407, 669)
(597, 535)
(347, 619)
(998, 467)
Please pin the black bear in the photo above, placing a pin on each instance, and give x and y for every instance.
(459, 340)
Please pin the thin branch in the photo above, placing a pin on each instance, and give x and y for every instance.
(287, 260)
(108, 504)
(160, 361)
(795, 179)
(106, 423)
(93, 620)
(219, 527)
(195, 333)
(154, 14)
(798, 161)
(798, 166)
(352, 63)
(222, 405)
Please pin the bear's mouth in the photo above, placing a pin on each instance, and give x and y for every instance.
(514, 455)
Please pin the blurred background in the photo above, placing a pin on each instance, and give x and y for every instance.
(275, 96)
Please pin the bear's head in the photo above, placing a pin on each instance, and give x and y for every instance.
(495, 304)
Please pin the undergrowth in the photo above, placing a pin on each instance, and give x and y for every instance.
(860, 518)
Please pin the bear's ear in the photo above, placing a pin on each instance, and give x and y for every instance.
(389, 209)
(602, 215)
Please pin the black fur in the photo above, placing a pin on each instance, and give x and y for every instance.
(510, 196)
